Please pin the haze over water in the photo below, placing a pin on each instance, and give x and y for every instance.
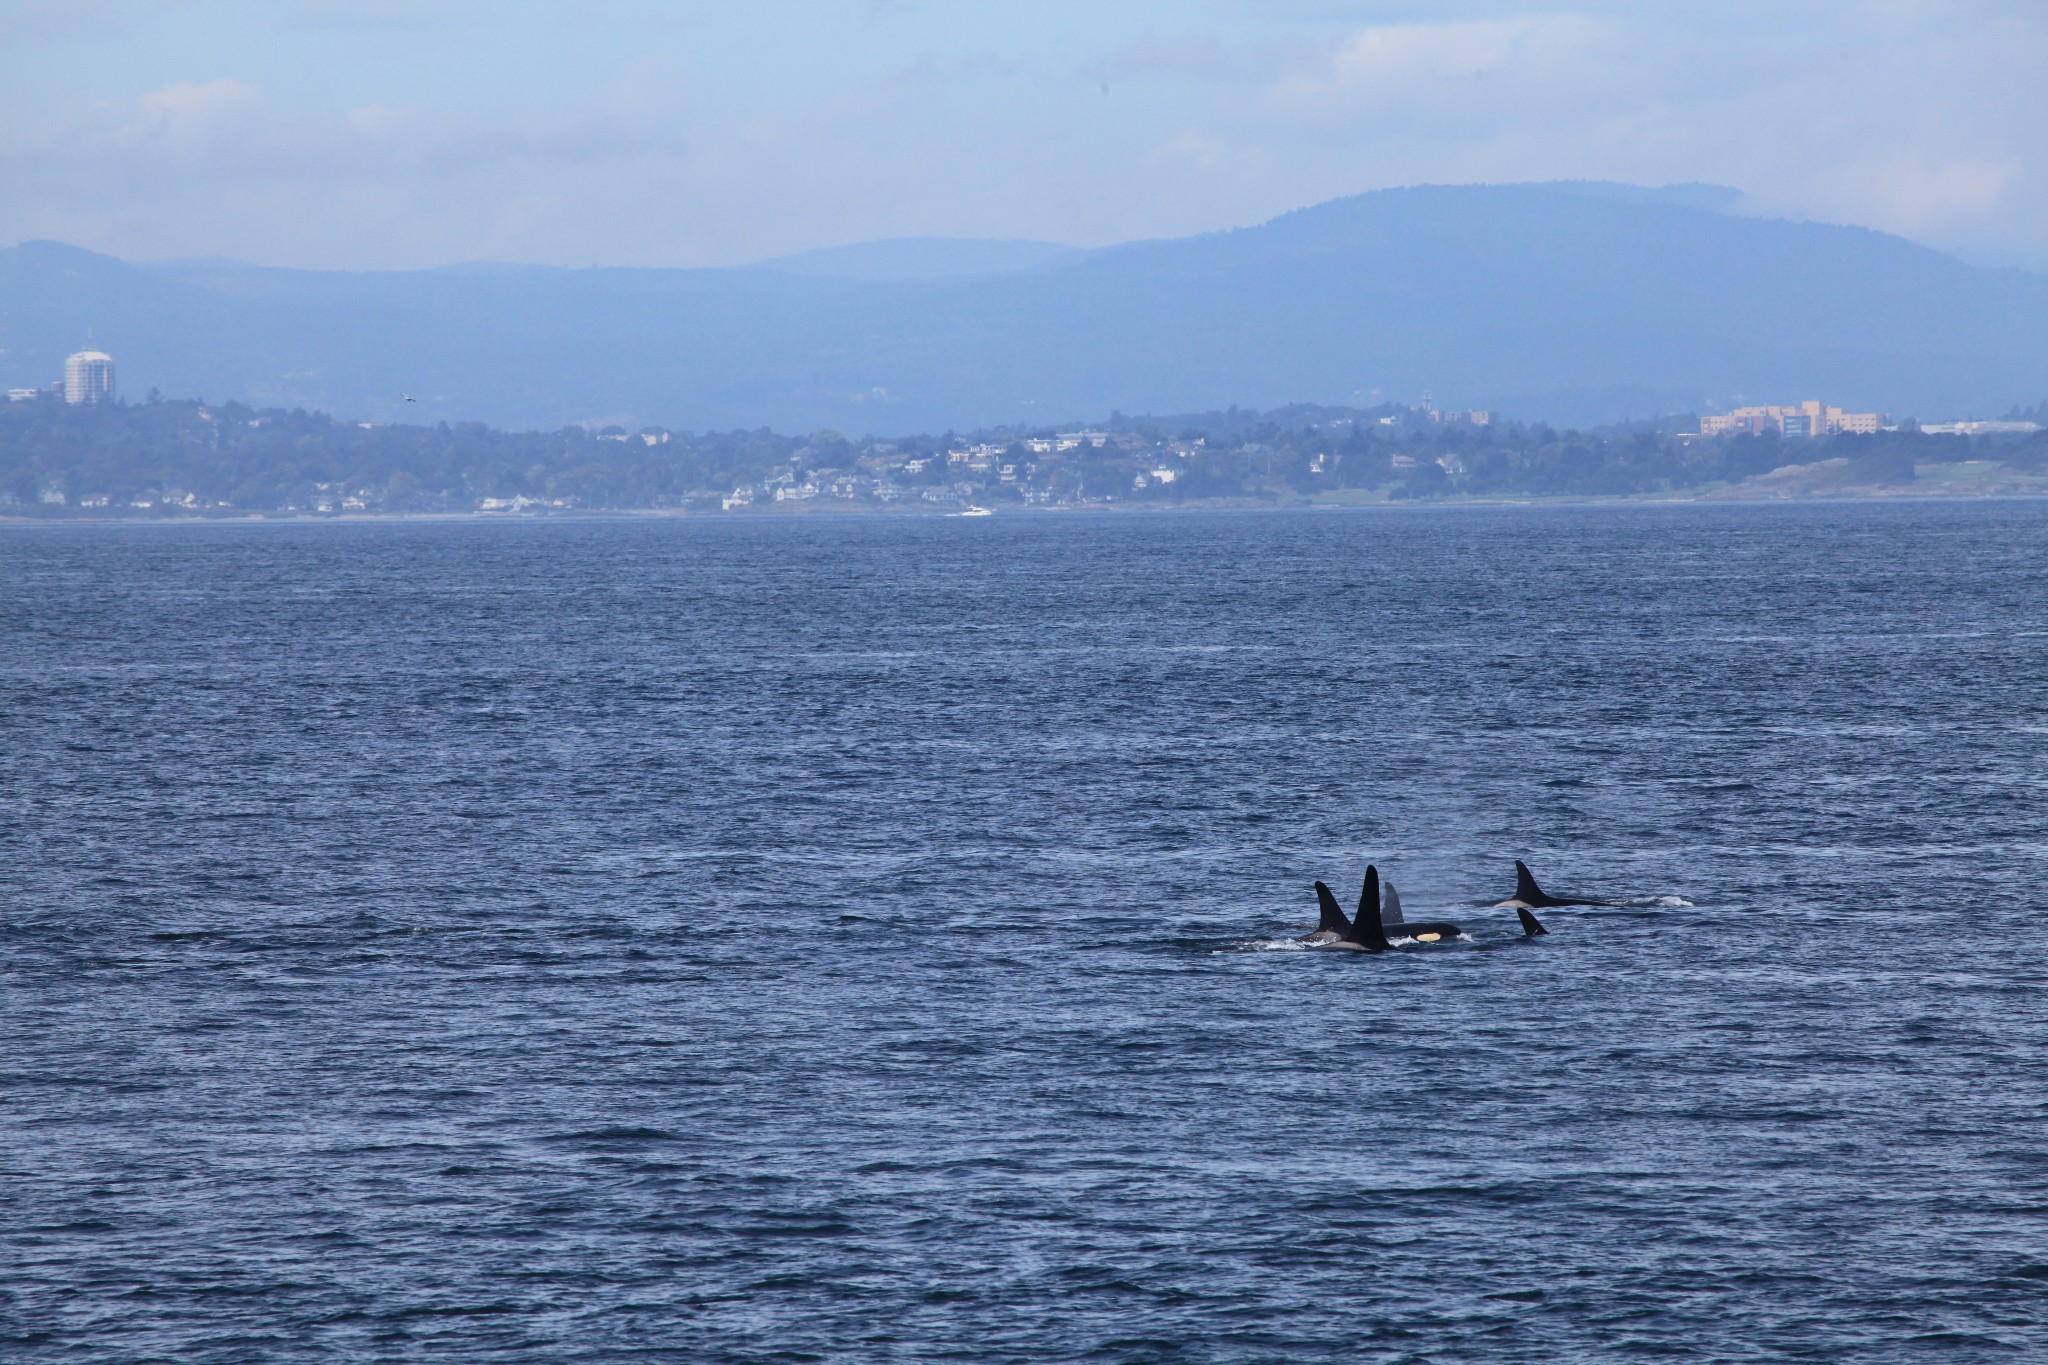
(864, 939)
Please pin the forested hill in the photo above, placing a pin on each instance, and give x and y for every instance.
(184, 458)
(1553, 302)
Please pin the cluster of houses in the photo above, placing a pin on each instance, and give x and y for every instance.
(964, 474)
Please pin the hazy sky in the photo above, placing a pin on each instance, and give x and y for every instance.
(397, 133)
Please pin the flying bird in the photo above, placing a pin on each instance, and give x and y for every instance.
(408, 398)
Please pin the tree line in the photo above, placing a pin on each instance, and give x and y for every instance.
(160, 456)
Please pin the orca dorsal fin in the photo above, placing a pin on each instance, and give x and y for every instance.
(1332, 921)
(1390, 913)
(1526, 889)
(1531, 926)
(1366, 929)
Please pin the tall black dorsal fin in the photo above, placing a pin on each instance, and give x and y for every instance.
(1366, 929)
(1526, 889)
(1332, 921)
(1531, 926)
(1390, 912)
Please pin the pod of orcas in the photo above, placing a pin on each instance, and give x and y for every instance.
(1379, 912)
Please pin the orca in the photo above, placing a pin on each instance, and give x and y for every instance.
(1332, 925)
(1422, 931)
(1368, 930)
(1364, 935)
(1531, 926)
(1392, 920)
(1529, 896)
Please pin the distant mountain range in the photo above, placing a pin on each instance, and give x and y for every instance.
(904, 259)
(1567, 302)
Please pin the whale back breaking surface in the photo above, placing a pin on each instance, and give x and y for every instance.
(1534, 897)
(1528, 893)
(1428, 931)
(1393, 924)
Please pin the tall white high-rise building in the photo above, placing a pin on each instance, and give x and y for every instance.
(89, 378)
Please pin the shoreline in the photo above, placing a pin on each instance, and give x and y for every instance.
(1919, 491)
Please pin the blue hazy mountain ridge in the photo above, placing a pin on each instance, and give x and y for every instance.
(1690, 194)
(1545, 301)
(897, 259)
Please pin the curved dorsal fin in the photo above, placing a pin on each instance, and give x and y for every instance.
(1332, 921)
(1531, 926)
(1390, 913)
(1526, 889)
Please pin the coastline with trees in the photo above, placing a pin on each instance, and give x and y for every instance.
(169, 458)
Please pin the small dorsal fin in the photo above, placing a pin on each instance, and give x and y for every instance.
(1390, 912)
(1332, 921)
(1526, 889)
(1531, 926)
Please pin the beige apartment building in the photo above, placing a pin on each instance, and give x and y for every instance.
(1811, 418)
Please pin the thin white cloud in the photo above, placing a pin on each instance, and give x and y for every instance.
(193, 109)
(1382, 62)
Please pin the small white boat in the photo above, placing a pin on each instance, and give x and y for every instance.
(975, 512)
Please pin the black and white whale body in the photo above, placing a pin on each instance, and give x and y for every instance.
(1368, 931)
(1529, 896)
(1379, 923)
(1394, 925)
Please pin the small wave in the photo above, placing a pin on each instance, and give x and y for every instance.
(803, 1227)
(620, 1134)
(1661, 902)
(1268, 945)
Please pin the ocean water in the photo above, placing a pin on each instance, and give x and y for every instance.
(866, 940)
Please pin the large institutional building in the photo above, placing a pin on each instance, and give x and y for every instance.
(89, 378)
(1811, 418)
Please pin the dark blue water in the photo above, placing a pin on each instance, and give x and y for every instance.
(859, 940)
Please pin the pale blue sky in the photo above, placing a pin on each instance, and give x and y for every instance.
(400, 133)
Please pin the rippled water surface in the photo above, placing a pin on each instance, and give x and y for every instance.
(864, 939)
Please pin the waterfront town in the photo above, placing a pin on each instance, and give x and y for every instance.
(76, 448)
